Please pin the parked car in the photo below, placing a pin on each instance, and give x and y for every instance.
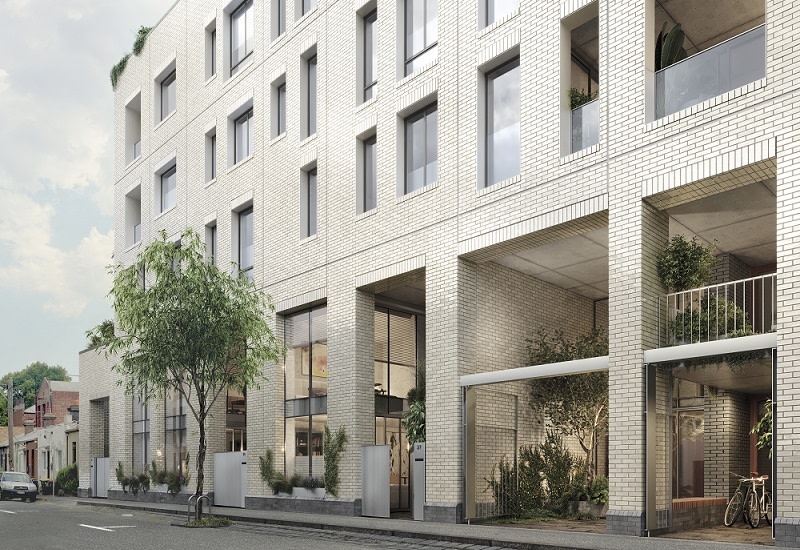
(17, 485)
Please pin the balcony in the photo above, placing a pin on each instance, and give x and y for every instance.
(728, 65)
(727, 310)
(586, 125)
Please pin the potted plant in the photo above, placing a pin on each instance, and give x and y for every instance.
(685, 264)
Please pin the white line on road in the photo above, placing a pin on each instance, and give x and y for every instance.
(127, 515)
(7, 512)
(119, 526)
(98, 528)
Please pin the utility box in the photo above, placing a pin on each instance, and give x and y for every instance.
(418, 482)
(375, 468)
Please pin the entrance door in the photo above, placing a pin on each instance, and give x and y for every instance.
(390, 432)
(99, 477)
(688, 466)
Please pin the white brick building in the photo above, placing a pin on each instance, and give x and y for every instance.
(405, 180)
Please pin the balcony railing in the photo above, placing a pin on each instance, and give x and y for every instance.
(728, 65)
(585, 125)
(727, 310)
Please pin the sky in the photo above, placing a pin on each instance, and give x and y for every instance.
(56, 171)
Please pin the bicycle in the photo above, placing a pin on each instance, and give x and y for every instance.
(749, 505)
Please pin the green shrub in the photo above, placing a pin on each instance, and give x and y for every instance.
(67, 480)
(281, 485)
(685, 264)
(710, 317)
(333, 445)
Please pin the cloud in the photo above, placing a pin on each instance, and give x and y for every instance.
(67, 279)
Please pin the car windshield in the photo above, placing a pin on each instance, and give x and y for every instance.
(13, 476)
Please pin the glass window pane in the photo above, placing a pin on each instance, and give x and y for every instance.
(312, 96)
(370, 174)
(246, 241)
(497, 9)
(312, 203)
(168, 95)
(502, 123)
(431, 152)
(281, 109)
(431, 22)
(169, 192)
(370, 55)
(415, 154)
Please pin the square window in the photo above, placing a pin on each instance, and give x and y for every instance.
(246, 250)
(241, 35)
(168, 95)
(502, 123)
(169, 190)
(370, 68)
(307, 6)
(497, 9)
(308, 200)
(243, 137)
(421, 160)
(421, 33)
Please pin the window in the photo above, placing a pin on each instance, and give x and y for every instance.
(211, 244)
(502, 122)
(169, 192)
(211, 154)
(307, 6)
(141, 436)
(133, 216)
(421, 23)
(243, 138)
(246, 252)
(235, 420)
(370, 55)
(279, 110)
(421, 152)
(368, 193)
(311, 96)
(497, 9)
(308, 205)
(241, 35)
(306, 390)
(168, 95)
(133, 129)
(175, 432)
(211, 50)
(278, 18)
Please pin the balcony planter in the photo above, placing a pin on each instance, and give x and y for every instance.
(585, 507)
(302, 492)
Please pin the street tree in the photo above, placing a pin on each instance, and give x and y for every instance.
(184, 326)
(27, 382)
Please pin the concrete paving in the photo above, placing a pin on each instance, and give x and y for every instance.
(459, 535)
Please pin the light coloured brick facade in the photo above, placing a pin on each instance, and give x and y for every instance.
(451, 236)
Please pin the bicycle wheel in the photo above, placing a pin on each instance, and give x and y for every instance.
(752, 509)
(734, 509)
(768, 507)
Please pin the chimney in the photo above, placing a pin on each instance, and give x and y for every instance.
(48, 419)
(29, 424)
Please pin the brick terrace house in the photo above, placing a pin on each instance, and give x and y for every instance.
(410, 182)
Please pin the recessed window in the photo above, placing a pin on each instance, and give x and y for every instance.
(141, 436)
(421, 149)
(278, 109)
(278, 18)
(246, 251)
(311, 96)
(370, 69)
(169, 189)
(133, 216)
(211, 51)
(168, 95)
(368, 192)
(308, 204)
(211, 244)
(175, 407)
(211, 155)
(133, 129)
(422, 33)
(497, 9)
(243, 138)
(241, 35)
(307, 6)
(502, 122)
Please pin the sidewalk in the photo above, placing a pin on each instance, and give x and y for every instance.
(484, 535)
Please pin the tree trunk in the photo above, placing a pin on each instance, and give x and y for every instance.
(201, 458)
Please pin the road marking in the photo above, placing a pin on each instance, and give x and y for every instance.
(7, 512)
(93, 527)
(119, 526)
(127, 515)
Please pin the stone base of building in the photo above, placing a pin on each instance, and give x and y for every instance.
(787, 532)
(444, 513)
(84, 492)
(625, 522)
(331, 506)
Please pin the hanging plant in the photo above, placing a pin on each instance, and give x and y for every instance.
(138, 45)
(685, 264)
(141, 36)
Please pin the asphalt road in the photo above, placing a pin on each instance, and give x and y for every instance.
(56, 523)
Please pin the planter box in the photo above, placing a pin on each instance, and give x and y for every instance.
(302, 492)
(589, 508)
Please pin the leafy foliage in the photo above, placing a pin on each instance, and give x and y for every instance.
(575, 405)
(685, 264)
(135, 482)
(580, 97)
(192, 329)
(27, 382)
(414, 422)
(173, 480)
(669, 46)
(67, 479)
(763, 428)
(141, 36)
(102, 331)
(333, 445)
(710, 316)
